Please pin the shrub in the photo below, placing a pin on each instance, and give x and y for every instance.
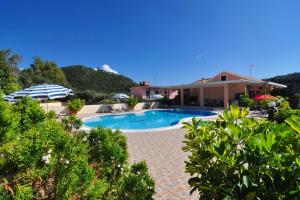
(8, 121)
(1, 95)
(108, 152)
(245, 101)
(284, 110)
(132, 102)
(71, 123)
(51, 114)
(109, 157)
(165, 101)
(108, 101)
(51, 162)
(75, 105)
(91, 96)
(136, 184)
(29, 113)
(243, 158)
(40, 160)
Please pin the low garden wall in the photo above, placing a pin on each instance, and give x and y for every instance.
(59, 107)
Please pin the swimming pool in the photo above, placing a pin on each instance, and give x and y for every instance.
(145, 120)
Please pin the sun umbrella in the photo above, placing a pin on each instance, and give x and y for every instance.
(264, 97)
(120, 96)
(10, 97)
(44, 91)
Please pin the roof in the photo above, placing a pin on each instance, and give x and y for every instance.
(210, 83)
(242, 77)
(216, 83)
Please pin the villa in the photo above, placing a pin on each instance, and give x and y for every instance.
(218, 91)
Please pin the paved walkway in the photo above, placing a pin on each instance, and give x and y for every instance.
(165, 159)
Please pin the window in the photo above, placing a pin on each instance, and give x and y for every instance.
(223, 78)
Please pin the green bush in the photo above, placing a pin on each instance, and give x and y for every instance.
(284, 110)
(71, 123)
(1, 95)
(109, 157)
(136, 184)
(245, 101)
(75, 105)
(110, 154)
(8, 121)
(108, 101)
(40, 160)
(165, 101)
(132, 102)
(53, 163)
(91, 96)
(243, 158)
(51, 114)
(30, 112)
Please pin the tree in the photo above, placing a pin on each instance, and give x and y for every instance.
(8, 71)
(43, 72)
(132, 102)
(85, 78)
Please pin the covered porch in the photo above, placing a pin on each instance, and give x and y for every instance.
(217, 94)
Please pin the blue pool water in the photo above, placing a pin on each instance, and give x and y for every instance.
(144, 120)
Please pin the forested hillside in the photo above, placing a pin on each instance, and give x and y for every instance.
(291, 80)
(84, 78)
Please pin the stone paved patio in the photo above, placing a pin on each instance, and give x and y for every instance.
(165, 159)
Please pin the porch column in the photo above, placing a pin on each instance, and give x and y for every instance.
(181, 98)
(246, 90)
(226, 96)
(201, 97)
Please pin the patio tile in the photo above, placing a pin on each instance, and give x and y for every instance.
(165, 159)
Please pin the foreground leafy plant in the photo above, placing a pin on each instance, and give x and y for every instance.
(243, 158)
(40, 160)
(136, 184)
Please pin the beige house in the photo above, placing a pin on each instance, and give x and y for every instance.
(219, 91)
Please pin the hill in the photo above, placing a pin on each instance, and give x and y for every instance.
(291, 80)
(83, 78)
(293, 87)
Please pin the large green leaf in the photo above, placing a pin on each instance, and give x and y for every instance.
(294, 122)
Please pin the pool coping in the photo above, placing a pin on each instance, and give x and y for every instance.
(176, 126)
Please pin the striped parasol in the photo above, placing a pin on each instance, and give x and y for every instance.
(10, 97)
(44, 91)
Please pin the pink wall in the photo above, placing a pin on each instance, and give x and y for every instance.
(213, 92)
(139, 91)
(230, 77)
(236, 88)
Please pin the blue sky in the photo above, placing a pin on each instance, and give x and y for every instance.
(163, 41)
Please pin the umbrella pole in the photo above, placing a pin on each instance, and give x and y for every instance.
(47, 104)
